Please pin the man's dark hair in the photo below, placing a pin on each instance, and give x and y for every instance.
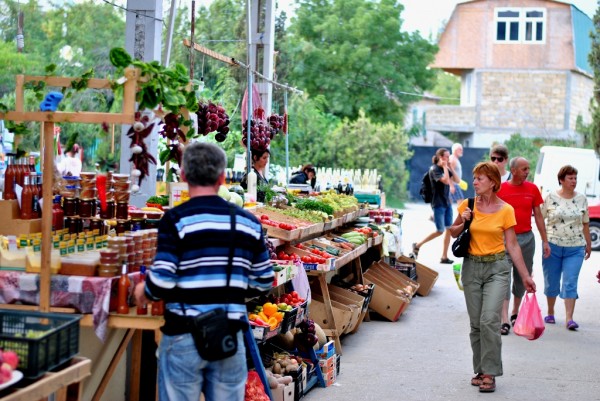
(203, 163)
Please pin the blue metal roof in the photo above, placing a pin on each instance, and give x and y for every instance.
(582, 43)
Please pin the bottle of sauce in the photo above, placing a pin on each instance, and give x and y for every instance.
(123, 293)
(158, 308)
(26, 200)
(32, 163)
(35, 206)
(58, 215)
(18, 173)
(142, 309)
(9, 178)
(24, 171)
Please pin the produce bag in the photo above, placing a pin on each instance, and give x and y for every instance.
(255, 390)
(529, 323)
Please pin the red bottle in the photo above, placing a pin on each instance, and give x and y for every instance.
(58, 215)
(123, 294)
(26, 200)
(35, 206)
(9, 179)
(158, 308)
(142, 309)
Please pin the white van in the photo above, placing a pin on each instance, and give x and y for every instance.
(586, 161)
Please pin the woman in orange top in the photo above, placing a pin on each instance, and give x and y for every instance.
(486, 272)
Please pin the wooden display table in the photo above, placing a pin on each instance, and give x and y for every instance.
(64, 383)
(134, 324)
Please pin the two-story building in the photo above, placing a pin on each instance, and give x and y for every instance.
(524, 69)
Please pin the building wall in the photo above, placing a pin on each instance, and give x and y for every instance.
(522, 100)
(582, 92)
(468, 41)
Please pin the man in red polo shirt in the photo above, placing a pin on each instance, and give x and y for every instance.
(525, 198)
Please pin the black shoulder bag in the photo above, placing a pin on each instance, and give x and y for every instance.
(460, 247)
(215, 336)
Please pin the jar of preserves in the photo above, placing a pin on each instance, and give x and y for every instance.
(70, 206)
(109, 211)
(87, 207)
(122, 211)
(122, 226)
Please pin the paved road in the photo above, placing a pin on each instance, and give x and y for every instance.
(426, 354)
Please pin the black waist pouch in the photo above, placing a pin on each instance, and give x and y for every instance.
(215, 335)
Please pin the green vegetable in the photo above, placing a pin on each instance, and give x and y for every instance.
(309, 204)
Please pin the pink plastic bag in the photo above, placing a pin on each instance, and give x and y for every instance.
(529, 322)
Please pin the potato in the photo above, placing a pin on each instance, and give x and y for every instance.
(272, 382)
(276, 368)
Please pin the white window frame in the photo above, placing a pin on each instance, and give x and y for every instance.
(522, 20)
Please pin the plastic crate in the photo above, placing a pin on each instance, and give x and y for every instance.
(43, 341)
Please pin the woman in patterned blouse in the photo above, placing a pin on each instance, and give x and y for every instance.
(568, 228)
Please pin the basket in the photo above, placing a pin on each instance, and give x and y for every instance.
(42, 341)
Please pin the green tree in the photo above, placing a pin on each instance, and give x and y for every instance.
(355, 54)
(364, 144)
(447, 87)
(594, 60)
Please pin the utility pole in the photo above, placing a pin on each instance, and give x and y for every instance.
(143, 40)
(263, 47)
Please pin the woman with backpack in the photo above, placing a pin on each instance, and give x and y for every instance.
(441, 176)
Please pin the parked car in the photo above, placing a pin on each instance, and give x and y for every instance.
(594, 211)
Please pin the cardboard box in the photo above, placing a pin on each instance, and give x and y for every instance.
(15, 226)
(426, 277)
(351, 299)
(395, 278)
(342, 314)
(9, 209)
(386, 300)
(326, 350)
(327, 365)
(283, 393)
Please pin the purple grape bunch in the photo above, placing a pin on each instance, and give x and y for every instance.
(213, 117)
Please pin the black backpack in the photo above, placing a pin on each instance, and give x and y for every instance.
(426, 190)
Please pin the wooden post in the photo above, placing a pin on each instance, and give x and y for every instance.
(48, 183)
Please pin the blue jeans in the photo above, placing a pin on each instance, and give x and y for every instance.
(442, 216)
(183, 374)
(563, 261)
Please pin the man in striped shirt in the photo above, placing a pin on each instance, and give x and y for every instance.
(190, 274)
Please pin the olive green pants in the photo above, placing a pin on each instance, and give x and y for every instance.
(485, 285)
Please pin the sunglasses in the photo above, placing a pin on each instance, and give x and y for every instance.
(499, 159)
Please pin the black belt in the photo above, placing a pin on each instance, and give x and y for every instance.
(487, 258)
(176, 324)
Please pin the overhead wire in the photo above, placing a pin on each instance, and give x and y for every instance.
(162, 21)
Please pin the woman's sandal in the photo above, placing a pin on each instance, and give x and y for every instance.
(505, 329)
(477, 380)
(550, 319)
(513, 319)
(488, 384)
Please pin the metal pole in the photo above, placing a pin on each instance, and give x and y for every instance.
(287, 147)
(169, 44)
(248, 125)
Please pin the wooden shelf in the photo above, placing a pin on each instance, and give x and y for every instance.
(60, 382)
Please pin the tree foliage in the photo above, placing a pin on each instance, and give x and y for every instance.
(594, 60)
(355, 54)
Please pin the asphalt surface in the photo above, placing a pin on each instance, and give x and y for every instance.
(426, 355)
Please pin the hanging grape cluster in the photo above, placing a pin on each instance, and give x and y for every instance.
(212, 117)
(260, 135)
(262, 131)
(276, 123)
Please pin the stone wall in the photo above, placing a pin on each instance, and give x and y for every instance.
(582, 91)
(522, 100)
(457, 117)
